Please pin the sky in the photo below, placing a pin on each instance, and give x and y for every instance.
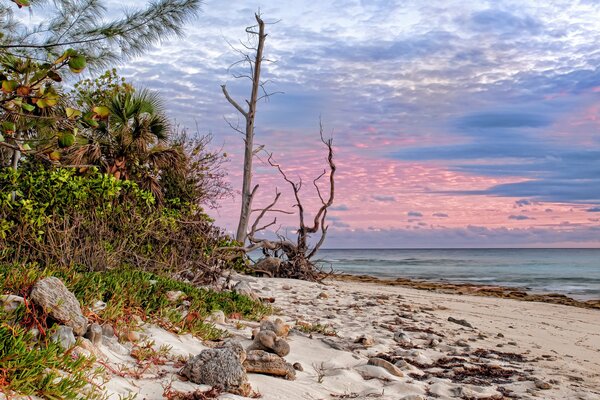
(455, 123)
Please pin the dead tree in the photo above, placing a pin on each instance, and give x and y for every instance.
(249, 115)
(293, 258)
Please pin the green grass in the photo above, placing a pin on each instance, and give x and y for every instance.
(29, 367)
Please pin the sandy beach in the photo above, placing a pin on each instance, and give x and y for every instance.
(363, 340)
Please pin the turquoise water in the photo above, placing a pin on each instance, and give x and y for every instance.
(573, 272)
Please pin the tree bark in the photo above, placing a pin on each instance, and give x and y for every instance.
(247, 190)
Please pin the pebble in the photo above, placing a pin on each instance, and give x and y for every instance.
(401, 337)
(365, 340)
(462, 322)
(540, 384)
(298, 367)
(64, 337)
(388, 366)
(323, 295)
(217, 317)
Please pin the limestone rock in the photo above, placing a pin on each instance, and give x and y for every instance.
(220, 366)
(388, 366)
(217, 317)
(11, 302)
(365, 340)
(268, 341)
(278, 326)
(261, 362)
(245, 289)
(94, 334)
(173, 295)
(402, 338)
(54, 297)
(64, 337)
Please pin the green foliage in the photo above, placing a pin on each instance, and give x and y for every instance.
(98, 222)
(43, 369)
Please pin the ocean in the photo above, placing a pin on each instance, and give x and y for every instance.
(573, 272)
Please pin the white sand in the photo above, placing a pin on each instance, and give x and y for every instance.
(561, 346)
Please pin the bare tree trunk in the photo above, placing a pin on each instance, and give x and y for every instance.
(247, 192)
(16, 156)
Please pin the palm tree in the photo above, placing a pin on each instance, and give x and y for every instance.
(132, 143)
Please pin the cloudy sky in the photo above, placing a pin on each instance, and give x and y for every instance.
(455, 123)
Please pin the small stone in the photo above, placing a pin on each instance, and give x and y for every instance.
(298, 367)
(108, 331)
(323, 295)
(174, 295)
(98, 306)
(540, 384)
(500, 335)
(388, 366)
(512, 343)
(133, 336)
(462, 322)
(217, 317)
(64, 337)
(94, 334)
(245, 289)
(11, 302)
(365, 340)
(268, 341)
(286, 287)
(278, 326)
(402, 338)
(62, 305)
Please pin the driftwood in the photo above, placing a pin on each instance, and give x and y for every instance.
(295, 256)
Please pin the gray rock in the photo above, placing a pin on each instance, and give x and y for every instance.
(365, 340)
(94, 334)
(540, 384)
(217, 317)
(54, 297)
(221, 366)
(462, 322)
(98, 306)
(261, 362)
(108, 331)
(269, 342)
(11, 302)
(244, 288)
(64, 337)
(173, 296)
(298, 367)
(278, 326)
(401, 337)
(114, 345)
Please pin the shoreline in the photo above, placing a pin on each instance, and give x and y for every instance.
(470, 289)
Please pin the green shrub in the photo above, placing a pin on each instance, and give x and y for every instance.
(96, 221)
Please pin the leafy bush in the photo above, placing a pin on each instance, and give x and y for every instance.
(98, 222)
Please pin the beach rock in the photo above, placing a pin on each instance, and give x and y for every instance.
(11, 302)
(268, 341)
(244, 288)
(261, 362)
(286, 287)
(365, 340)
(540, 384)
(220, 367)
(278, 326)
(402, 338)
(217, 317)
(462, 322)
(108, 331)
(98, 306)
(173, 296)
(388, 366)
(64, 337)
(94, 334)
(298, 367)
(268, 265)
(323, 295)
(62, 305)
